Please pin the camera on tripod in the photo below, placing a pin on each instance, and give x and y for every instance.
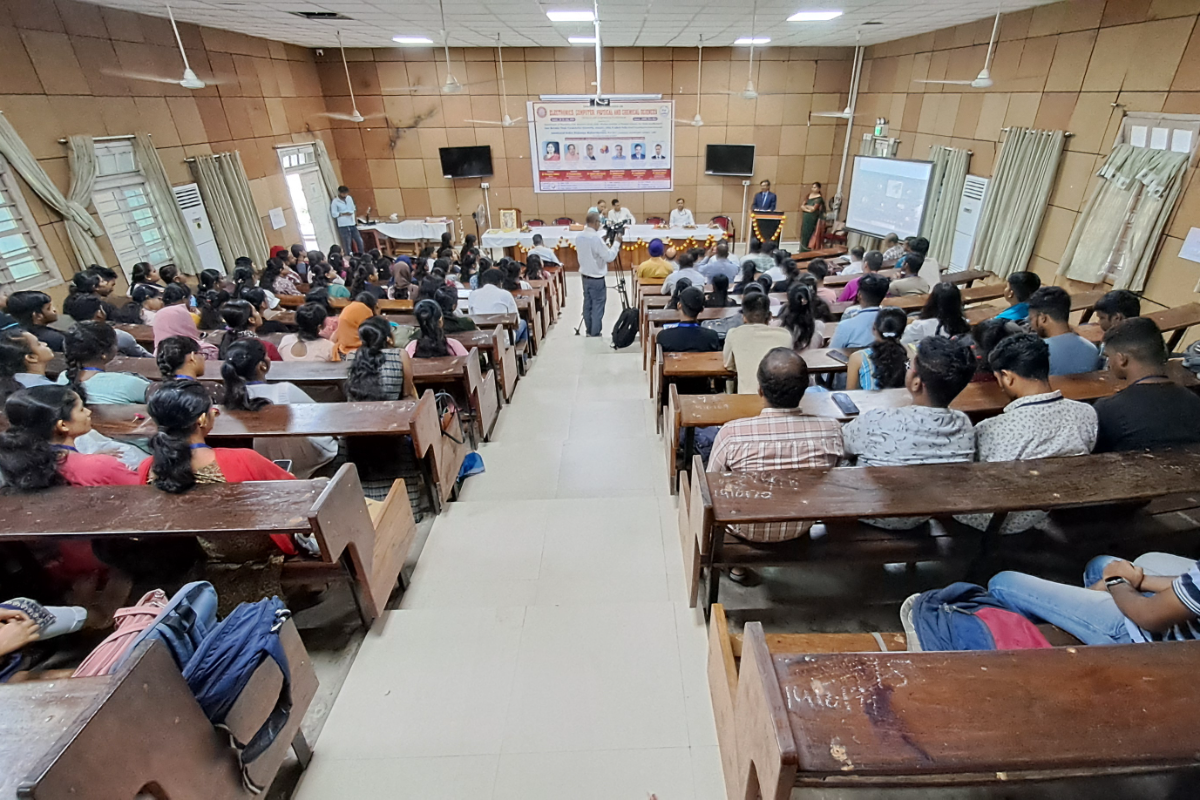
(613, 230)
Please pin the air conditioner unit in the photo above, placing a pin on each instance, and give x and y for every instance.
(187, 197)
(969, 207)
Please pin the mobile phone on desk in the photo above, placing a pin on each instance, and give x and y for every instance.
(840, 356)
(845, 404)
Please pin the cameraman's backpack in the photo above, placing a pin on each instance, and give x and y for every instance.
(224, 663)
(626, 329)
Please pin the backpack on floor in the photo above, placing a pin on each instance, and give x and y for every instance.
(626, 329)
(183, 624)
(131, 621)
(224, 663)
(964, 616)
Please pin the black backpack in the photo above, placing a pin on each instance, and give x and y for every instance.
(626, 329)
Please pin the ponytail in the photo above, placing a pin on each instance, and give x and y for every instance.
(87, 341)
(241, 364)
(237, 315)
(172, 352)
(533, 267)
(798, 315)
(271, 271)
(888, 357)
(432, 341)
(175, 407)
(680, 285)
(360, 279)
(83, 283)
(28, 460)
(365, 378)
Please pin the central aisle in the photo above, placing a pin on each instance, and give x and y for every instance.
(543, 649)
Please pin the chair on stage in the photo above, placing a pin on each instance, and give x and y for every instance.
(726, 224)
(564, 221)
(654, 221)
(535, 223)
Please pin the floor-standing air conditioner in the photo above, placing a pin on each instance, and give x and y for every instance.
(968, 219)
(190, 203)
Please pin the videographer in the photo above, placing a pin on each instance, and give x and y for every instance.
(594, 258)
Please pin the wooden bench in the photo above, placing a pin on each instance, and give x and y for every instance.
(492, 343)
(438, 456)
(825, 252)
(141, 730)
(1175, 321)
(462, 377)
(370, 553)
(321, 380)
(142, 334)
(803, 711)
(294, 301)
(842, 496)
(978, 294)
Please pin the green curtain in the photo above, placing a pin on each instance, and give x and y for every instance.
(230, 206)
(1016, 200)
(949, 176)
(175, 228)
(1125, 216)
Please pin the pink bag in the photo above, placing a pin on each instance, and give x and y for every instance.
(131, 621)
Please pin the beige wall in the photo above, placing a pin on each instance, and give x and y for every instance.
(57, 77)
(1060, 66)
(405, 174)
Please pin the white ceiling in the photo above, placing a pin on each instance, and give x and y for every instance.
(624, 23)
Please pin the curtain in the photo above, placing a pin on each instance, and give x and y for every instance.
(326, 166)
(949, 176)
(230, 205)
(865, 148)
(13, 148)
(81, 156)
(175, 229)
(1016, 200)
(1125, 216)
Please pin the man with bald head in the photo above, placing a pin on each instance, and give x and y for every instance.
(594, 258)
(780, 437)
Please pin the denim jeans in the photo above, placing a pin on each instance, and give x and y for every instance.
(595, 293)
(1088, 615)
(522, 330)
(349, 234)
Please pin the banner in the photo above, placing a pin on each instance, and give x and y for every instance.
(578, 147)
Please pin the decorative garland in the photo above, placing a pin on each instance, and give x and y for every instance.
(778, 231)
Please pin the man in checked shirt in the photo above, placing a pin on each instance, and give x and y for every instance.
(781, 437)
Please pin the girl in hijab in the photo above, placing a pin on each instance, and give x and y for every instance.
(401, 277)
(177, 320)
(346, 340)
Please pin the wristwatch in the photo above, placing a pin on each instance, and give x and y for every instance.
(1115, 581)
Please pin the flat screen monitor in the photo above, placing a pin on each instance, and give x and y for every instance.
(466, 162)
(729, 159)
(888, 195)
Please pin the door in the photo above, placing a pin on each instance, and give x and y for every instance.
(318, 208)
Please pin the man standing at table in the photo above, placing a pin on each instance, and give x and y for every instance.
(342, 209)
(765, 199)
(594, 257)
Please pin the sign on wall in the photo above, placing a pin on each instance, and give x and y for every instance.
(578, 147)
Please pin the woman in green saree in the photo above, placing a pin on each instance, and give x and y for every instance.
(814, 210)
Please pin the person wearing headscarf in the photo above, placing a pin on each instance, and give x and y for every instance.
(401, 277)
(177, 320)
(346, 340)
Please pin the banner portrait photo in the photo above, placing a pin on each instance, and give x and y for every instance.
(579, 147)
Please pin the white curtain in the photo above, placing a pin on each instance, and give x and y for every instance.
(949, 176)
(16, 153)
(175, 228)
(328, 177)
(81, 157)
(1123, 219)
(1016, 200)
(226, 192)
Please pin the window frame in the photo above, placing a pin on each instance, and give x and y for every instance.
(122, 150)
(1172, 122)
(27, 225)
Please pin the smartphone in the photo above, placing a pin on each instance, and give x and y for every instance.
(845, 404)
(286, 463)
(840, 356)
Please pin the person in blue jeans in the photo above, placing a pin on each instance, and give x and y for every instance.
(1154, 598)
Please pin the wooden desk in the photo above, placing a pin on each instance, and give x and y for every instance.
(1175, 321)
(840, 281)
(462, 376)
(322, 380)
(525, 307)
(142, 334)
(827, 252)
(493, 344)
(976, 294)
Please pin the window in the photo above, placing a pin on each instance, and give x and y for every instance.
(133, 224)
(25, 262)
(1175, 132)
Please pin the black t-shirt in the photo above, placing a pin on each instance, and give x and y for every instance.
(54, 339)
(1148, 416)
(689, 337)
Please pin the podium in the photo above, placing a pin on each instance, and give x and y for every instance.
(766, 226)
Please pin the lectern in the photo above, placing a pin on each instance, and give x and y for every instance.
(766, 226)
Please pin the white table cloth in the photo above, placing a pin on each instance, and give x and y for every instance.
(553, 235)
(410, 230)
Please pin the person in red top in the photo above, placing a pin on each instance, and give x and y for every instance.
(181, 460)
(38, 450)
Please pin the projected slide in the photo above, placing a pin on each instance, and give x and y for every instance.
(888, 195)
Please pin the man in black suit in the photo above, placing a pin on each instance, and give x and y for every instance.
(765, 199)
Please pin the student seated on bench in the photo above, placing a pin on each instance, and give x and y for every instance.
(688, 336)
(90, 307)
(746, 344)
(872, 262)
(1115, 307)
(307, 344)
(910, 282)
(926, 432)
(942, 315)
(799, 316)
(243, 319)
(858, 330)
(1152, 411)
(490, 298)
(1038, 423)
(884, 363)
(1021, 286)
(378, 369)
(1155, 598)
(685, 269)
(452, 321)
(244, 372)
(655, 266)
(1070, 353)
(88, 348)
(431, 341)
(780, 437)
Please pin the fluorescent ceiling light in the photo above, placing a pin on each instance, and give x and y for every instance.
(814, 16)
(412, 40)
(755, 40)
(581, 39)
(571, 16)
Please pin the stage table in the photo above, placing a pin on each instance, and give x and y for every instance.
(408, 230)
(634, 250)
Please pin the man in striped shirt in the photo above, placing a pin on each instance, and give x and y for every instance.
(781, 437)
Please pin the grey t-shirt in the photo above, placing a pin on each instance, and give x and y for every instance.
(893, 437)
(1070, 353)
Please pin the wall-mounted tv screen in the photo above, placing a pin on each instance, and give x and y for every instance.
(729, 159)
(466, 162)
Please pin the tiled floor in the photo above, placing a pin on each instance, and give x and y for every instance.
(543, 649)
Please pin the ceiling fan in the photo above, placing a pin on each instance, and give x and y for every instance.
(190, 79)
(354, 115)
(750, 93)
(507, 121)
(696, 121)
(984, 79)
(452, 85)
(846, 113)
